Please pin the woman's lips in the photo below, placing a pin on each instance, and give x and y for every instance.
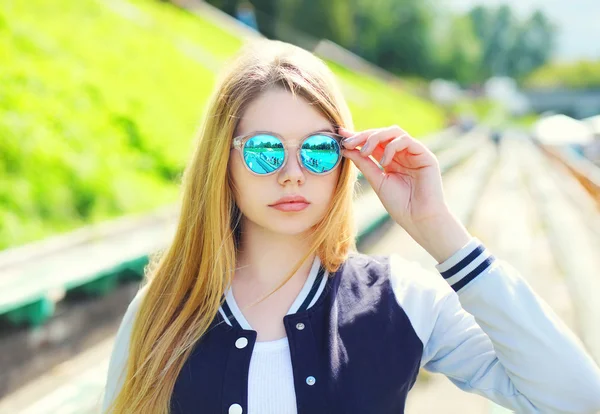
(295, 206)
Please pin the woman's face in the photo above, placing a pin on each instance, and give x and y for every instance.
(293, 118)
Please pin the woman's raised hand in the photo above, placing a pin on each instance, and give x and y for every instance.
(410, 184)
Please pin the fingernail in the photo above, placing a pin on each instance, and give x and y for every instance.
(347, 141)
(382, 160)
(364, 147)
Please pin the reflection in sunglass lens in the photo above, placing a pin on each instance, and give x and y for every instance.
(320, 153)
(264, 153)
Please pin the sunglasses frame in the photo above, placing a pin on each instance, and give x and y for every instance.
(239, 144)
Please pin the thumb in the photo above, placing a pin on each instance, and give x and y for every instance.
(366, 165)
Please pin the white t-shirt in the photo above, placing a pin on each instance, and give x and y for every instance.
(270, 376)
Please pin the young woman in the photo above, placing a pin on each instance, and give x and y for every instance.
(262, 305)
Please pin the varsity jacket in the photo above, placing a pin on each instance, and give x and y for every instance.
(362, 334)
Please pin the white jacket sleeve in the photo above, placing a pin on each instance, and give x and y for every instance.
(485, 329)
(120, 353)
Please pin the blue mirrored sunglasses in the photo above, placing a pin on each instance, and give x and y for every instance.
(265, 152)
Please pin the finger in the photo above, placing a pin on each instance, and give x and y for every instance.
(367, 166)
(358, 138)
(345, 132)
(413, 149)
(376, 154)
(382, 136)
(396, 145)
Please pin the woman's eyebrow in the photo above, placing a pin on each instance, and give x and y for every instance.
(330, 129)
(262, 131)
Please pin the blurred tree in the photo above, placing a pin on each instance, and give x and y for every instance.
(407, 38)
(499, 41)
(266, 15)
(533, 47)
(510, 47)
(480, 16)
(329, 19)
(395, 34)
(265, 10)
(228, 6)
(459, 51)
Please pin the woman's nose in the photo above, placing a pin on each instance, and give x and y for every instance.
(292, 170)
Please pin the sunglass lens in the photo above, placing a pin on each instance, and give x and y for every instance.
(320, 153)
(264, 153)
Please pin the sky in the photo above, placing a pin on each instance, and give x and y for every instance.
(578, 22)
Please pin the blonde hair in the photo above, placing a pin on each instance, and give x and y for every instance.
(186, 283)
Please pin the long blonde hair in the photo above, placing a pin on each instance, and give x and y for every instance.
(185, 284)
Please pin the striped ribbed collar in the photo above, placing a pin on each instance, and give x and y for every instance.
(312, 289)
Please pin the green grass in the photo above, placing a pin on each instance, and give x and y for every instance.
(96, 113)
(189, 28)
(99, 102)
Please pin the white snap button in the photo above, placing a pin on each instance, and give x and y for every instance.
(311, 380)
(241, 343)
(299, 326)
(235, 409)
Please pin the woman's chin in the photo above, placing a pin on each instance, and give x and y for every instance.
(291, 226)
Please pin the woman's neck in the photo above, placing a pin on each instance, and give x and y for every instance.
(265, 258)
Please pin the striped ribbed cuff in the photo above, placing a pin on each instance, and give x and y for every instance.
(466, 264)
